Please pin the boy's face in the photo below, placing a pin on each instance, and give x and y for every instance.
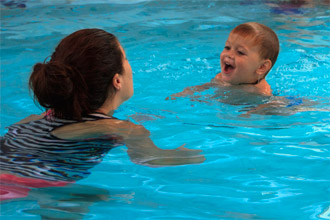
(240, 61)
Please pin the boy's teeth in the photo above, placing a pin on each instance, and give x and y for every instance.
(228, 64)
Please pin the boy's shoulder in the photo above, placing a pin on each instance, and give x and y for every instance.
(262, 88)
(218, 79)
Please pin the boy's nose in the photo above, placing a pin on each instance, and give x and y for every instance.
(227, 54)
(230, 56)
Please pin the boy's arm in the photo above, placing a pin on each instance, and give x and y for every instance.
(280, 105)
(191, 90)
(199, 88)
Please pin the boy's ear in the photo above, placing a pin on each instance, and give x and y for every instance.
(116, 81)
(264, 67)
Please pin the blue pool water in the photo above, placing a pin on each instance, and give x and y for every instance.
(270, 164)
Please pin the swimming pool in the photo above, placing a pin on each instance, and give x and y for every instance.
(273, 164)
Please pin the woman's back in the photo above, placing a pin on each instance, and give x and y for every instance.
(30, 149)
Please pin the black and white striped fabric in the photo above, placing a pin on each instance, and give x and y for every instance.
(30, 150)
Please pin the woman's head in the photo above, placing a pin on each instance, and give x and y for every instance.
(78, 78)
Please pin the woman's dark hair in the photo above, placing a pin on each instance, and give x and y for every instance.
(77, 79)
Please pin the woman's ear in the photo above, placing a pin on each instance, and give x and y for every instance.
(117, 81)
(264, 67)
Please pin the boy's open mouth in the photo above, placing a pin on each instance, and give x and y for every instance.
(228, 67)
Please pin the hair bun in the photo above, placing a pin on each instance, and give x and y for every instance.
(52, 83)
(60, 70)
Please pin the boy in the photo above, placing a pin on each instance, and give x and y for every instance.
(249, 54)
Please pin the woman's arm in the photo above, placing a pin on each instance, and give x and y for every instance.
(141, 148)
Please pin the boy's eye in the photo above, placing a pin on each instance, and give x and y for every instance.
(240, 52)
(227, 48)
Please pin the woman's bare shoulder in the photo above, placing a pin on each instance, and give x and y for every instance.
(94, 129)
(31, 118)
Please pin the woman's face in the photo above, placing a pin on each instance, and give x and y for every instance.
(127, 75)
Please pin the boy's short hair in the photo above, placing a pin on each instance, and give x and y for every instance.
(263, 36)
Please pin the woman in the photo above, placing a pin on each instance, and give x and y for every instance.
(86, 79)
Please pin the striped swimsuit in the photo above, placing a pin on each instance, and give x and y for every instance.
(30, 150)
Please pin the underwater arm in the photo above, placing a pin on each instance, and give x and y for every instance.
(143, 151)
(140, 147)
(280, 105)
